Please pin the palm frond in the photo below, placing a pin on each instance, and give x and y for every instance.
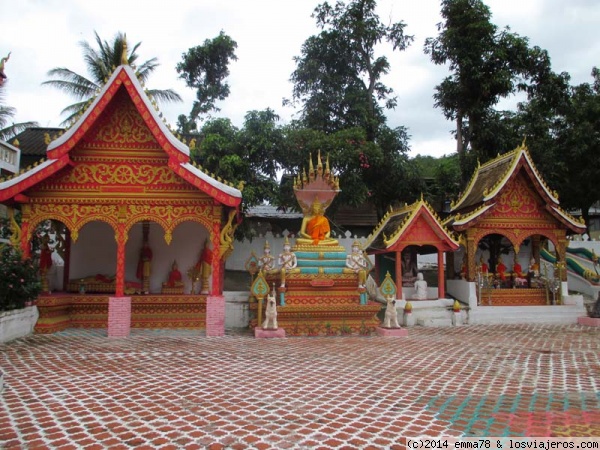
(165, 95)
(71, 83)
(100, 59)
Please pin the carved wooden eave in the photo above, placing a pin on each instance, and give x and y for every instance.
(390, 232)
(177, 152)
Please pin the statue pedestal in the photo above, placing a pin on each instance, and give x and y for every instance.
(261, 333)
(391, 332)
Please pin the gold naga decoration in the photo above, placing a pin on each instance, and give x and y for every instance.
(317, 186)
(226, 241)
(15, 236)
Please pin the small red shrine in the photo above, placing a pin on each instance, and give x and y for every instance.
(119, 180)
(401, 233)
(507, 203)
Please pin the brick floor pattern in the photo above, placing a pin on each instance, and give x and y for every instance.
(79, 389)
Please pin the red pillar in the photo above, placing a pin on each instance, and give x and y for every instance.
(120, 273)
(441, 290)
(399, 275)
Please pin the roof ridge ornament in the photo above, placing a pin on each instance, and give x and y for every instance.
(124, 59)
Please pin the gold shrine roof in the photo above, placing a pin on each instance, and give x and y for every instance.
(397, 221)
(490, 178)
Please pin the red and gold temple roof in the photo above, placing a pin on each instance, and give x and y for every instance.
(58, 151)
(489, 182)
(415, 224)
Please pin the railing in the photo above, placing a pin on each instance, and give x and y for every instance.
(9, 157)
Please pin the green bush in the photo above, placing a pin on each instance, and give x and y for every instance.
(19, 279)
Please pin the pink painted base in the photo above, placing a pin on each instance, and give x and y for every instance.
(119, 316)
(589, 321)
(261, 334)
(391, 332)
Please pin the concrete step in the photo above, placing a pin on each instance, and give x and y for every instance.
(563, 314)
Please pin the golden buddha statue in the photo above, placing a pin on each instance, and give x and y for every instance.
(315, 228)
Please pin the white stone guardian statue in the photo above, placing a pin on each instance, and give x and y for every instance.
(390, 319)
(420, 287)
(270, 322)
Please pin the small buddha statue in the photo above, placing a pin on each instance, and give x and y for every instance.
(315, 229)
(174, 276)
(420, 287)
(175, 280)
(501, 270)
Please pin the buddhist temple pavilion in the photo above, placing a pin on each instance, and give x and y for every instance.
(401, 234)
(505, 216)
(134, 208)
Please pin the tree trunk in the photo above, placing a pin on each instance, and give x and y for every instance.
(460, 149)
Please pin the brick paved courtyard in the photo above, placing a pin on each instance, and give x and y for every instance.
(173, 389)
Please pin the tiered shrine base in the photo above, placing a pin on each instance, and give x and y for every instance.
(61, 311)
(514, 297)
(319, 298)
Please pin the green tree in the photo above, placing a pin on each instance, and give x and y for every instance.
(578, 138)
(204, 68)
(338, 75)
(247, 154)
(100, 63)
(486, 66)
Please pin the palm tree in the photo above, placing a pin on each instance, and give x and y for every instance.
(8, 128)
(100, 64)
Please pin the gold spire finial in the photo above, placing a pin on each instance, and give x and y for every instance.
(311, 169)
(124, 58)
(523, 143)
(319, 163)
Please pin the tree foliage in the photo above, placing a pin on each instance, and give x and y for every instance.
(486, 65)
(338, 75)
(204, 68)
(100, 62)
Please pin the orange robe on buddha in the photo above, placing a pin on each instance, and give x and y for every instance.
(501, 271)
(317, 228)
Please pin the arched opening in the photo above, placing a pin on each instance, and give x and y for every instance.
(93, 259)
(146, 246)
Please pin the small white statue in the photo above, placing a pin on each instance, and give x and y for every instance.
(420, 287)
(287, 261)
(266, 262)
(270, 322)
(390, 319)
(356, 262)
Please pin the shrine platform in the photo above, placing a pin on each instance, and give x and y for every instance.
(154, 311)
(321, 304)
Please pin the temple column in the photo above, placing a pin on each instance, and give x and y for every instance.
(25, 231)
(119, 306)
(471, 251)
(441, 290)
(120, 271)
(67, 261)
(215, 302)
(399, 274)
(535, 247)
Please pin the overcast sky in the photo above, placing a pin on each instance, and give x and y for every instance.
(43, 34)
